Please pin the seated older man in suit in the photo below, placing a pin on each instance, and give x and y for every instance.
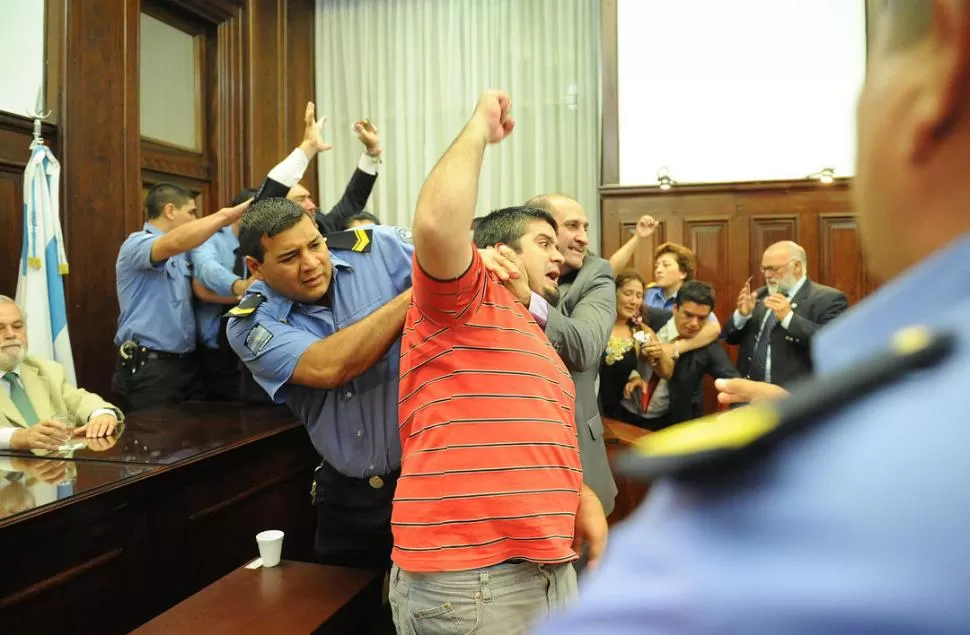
(775, 325)
(33, 390)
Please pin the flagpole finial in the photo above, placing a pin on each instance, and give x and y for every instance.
(38, 115)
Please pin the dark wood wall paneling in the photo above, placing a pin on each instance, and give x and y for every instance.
(279, 83)
(258, 76)
(16, 134)
(730, 225)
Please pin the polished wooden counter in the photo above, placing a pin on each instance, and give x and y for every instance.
(293, 597)
(165, 436)
(118, 533)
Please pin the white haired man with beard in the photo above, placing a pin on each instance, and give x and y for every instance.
(33, 390)
(775, 324)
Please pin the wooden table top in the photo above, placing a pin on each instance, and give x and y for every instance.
(169, 434)
(623, 433)
(292, 597)
(148, 441)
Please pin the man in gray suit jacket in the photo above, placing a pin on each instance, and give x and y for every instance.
(579, 327)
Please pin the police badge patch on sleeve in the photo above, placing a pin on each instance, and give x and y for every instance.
(257, 339)
(404, 235)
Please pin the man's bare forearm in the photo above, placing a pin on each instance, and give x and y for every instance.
(205, 294)
(708, 333)
(348, 353)
(664, 366)
(191, 235)
(446, 206)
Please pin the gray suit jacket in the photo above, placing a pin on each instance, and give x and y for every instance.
(579, 327)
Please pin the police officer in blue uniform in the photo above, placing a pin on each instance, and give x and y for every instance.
(320, 331)
(220, 279)
(219, 266)
(156, 336)
(844, 507)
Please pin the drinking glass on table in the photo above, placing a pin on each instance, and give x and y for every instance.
(70, 423)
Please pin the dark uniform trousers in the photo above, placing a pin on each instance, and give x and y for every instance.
(353, 519)
(354, 530)
(151, 379)
(225, 378)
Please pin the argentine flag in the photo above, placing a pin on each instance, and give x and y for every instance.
(40, 289)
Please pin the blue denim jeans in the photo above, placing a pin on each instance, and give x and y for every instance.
(507, 599)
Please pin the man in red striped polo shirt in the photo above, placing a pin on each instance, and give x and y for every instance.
(490, 503)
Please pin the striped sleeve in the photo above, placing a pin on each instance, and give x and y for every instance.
(449, 303)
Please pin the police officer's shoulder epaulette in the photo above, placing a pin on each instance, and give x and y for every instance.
(358, 239)
(247, 306)
(712, 445)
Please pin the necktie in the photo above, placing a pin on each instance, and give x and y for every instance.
(646, 396)
(19, 398)
(759, 360)
(651, 387)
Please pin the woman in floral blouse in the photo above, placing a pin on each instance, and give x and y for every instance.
(620, 360)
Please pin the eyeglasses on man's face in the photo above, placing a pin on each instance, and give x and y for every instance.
(771, 271)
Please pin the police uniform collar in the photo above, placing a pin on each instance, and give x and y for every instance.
(151, 229)
(279, 306)
(340, 263)
(908, 299)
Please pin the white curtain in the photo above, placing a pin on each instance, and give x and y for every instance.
(416, 68)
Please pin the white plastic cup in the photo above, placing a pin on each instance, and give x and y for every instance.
(270, 545)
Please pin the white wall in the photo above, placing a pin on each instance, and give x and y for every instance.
(738, 90)
(21, 54)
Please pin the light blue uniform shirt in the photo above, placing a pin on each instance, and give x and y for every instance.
(155, 298)
(654, 297)
(354, 427)
(859, 525)
(212, 264)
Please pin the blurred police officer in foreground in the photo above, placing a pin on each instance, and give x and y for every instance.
(845, 507)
